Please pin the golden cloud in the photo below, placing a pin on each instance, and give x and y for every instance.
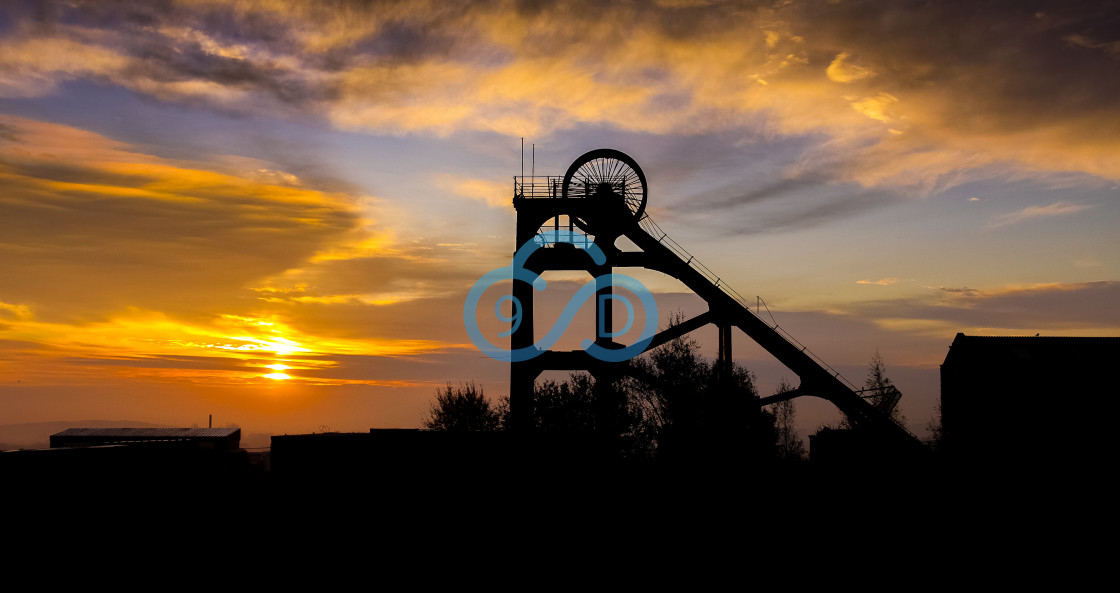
(876, 107)
(86, 215)
(839, 70)
(842, 70)
(124, 254)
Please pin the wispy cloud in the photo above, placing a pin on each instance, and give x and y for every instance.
(1089, 308)
(964, 290)
(879, 282)
(489, 192)
(1033, 212)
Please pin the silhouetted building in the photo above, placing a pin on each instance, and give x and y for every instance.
(217, 439)
(132, 455)
(1028, 400)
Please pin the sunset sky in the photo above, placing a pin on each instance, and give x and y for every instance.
(272, 210)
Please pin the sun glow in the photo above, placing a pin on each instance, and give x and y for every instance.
(279, 375)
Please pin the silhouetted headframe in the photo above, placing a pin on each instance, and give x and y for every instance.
(603, 194)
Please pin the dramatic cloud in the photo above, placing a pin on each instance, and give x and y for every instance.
(879, 80)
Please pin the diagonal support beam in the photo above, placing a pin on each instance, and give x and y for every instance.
(778, 398)
(680, 329)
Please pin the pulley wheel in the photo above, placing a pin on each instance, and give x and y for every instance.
(607, 170)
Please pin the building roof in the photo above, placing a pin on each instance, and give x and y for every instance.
(149, 433)
(1025, 350)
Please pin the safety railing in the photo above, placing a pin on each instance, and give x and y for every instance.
(540, 186)
(563, 236)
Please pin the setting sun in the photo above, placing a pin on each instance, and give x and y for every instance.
(278, 375)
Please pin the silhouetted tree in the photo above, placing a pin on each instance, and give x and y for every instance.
(681, 409)
(462, 408)
(674, 401)
(878, 388)
(790, 446)
(568, 406)
(687, 409)
(934, 426)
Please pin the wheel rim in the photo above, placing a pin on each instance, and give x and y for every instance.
(589, 172)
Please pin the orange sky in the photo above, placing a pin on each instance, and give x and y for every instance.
(199, 195)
